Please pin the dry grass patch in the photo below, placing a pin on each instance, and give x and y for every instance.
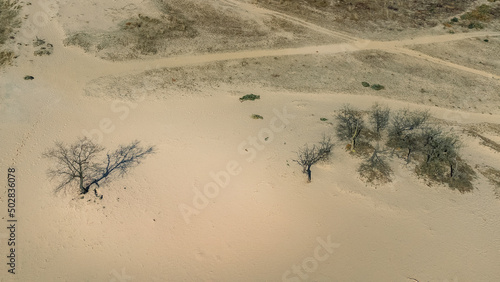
(9, 21)
(484, 140)
(372, 13)
(493, 175)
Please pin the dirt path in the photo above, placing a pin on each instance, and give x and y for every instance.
(91, 67)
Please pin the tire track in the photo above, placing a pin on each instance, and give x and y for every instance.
(423, 56)
(311, 26)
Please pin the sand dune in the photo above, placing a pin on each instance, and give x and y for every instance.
(261, 221)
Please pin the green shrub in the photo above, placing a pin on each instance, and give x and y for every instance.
(255, 116)
(249, 97)
(377, 87)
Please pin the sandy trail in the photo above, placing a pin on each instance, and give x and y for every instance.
(423, 56)
(91, 67)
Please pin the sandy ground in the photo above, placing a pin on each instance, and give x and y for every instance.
(265, 223)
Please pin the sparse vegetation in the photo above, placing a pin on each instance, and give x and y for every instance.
(81, 163)
(142, 35)
(365, 84)
(6, 57)
(44, 47)
(249, 97)
(256, 116)
(383, 14)
(493, 176)
(9, 21)
(478, 17)
(323, 119)
(9, 11)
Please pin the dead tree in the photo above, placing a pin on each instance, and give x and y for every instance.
(309, 156)
(349, 126)
(379, 118)
(440, 148)
(81, 162)
(404, 131)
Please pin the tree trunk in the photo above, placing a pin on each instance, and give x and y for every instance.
(82, 188)
(309, 174)
(452, 169)
(408, 156)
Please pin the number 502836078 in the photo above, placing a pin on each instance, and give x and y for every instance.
(11, 191)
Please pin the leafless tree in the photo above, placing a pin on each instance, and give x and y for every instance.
(379, 118)
(405, 130)
(81, 162)
(309, 156)
(438, 148)
(325, 147)
(350, 124)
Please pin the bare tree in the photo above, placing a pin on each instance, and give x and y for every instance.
(404, 130)
(439, 148)
(325, 147)
(350, 124)
(80, 162)
(379, 118)
(309, 156)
